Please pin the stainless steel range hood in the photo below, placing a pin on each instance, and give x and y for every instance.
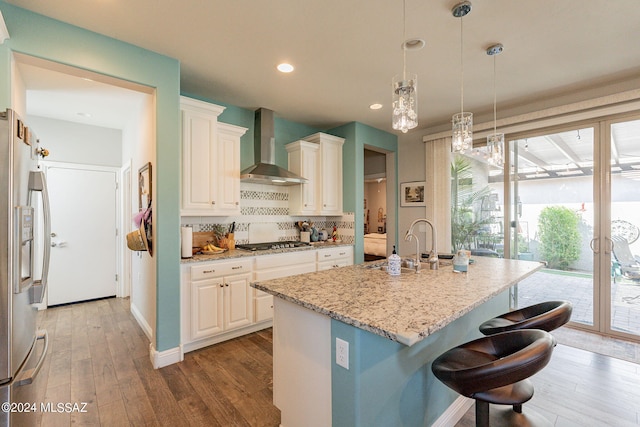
(265, 171)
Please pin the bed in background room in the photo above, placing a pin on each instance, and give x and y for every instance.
(375, 246)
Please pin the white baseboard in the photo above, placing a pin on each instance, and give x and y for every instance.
(454, 412)
(160, 359)
(146, 328)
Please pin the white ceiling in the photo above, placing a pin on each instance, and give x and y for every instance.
(346, 51)
(63, 96)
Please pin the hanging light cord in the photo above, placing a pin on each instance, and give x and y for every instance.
(461, 69)
(494, 94)
(404, 38)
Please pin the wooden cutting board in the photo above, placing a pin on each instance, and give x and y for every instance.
(201, 238)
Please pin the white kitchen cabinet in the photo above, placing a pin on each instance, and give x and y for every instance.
(219, 300)
(206, 308)
(210, 161)
(322, 164)
(269, 267)
(303, 160)
(334, 257)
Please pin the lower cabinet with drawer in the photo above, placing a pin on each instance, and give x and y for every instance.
(335, 257)
(217, 302)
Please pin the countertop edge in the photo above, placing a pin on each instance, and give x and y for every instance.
(406, 339)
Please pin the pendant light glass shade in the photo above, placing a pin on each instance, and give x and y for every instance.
(462, 122)
(462, 127)
(404, 89)
(405, 102)
(495, 141)
(495, 145)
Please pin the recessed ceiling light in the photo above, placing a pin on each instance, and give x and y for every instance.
(285, 68)
(84, 114)
(413, 44)
(375, 106)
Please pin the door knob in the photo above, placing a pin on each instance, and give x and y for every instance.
(53, 234)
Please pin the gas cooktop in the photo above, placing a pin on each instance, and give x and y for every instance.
(272, 245)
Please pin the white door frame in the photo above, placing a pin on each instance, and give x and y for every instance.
(124, 266)
(46, 164)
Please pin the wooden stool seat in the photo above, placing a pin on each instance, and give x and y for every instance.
(494, 369)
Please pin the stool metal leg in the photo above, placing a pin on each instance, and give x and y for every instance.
(482, 414)
(518, 408)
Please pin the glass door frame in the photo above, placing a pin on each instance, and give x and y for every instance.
(605, 213)
(602, 200)
(511, 193)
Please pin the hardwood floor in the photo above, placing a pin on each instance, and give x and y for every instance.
(99, 355)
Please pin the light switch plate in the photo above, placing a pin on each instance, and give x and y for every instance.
(342, 353)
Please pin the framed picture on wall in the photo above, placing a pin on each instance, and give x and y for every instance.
(144, 186)
(412, 194)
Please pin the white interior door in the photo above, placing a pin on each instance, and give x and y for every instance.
(83, 230)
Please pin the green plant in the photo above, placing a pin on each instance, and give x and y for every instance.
(559, 236)
(466, 219)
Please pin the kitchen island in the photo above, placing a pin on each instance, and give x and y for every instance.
(393, 326)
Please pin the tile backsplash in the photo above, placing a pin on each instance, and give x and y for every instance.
(261, 203)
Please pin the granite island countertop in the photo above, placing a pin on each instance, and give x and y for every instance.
(240, 253)
(405, 308)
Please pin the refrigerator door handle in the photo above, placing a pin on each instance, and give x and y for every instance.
(37, 182)
(26, 377)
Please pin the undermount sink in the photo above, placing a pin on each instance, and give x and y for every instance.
(403, 270)
(383, 267)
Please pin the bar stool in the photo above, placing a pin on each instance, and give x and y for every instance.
(494, 369)
(547, 316)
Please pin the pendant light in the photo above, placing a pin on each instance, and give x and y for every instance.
(405, 89)
(462, 123)
(495, 141)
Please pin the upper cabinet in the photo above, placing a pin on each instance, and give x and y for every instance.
(317, 158)
(210, 161)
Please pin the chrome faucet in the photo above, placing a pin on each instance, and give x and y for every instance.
(433, 253)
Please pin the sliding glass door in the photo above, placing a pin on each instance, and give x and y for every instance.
(575, 204)
(622, 298)
(552, 217)
(571, 199)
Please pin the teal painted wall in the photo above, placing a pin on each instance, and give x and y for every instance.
(42, 37)
(357, 135)
(390, 384)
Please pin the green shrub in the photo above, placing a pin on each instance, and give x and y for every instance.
(559, 236)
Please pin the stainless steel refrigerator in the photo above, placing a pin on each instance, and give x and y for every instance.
(24, 199)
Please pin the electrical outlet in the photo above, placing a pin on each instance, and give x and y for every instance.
(342, 353)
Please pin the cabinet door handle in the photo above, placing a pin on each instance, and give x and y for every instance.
(208, 271)
(327, 255)
(237, 203)
(343, 253)
(227, 285)
(221, 285)
(238, 267)
(213, 202)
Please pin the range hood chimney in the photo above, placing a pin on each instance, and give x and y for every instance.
(265, 171)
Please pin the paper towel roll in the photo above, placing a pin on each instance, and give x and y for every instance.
(186, 241)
